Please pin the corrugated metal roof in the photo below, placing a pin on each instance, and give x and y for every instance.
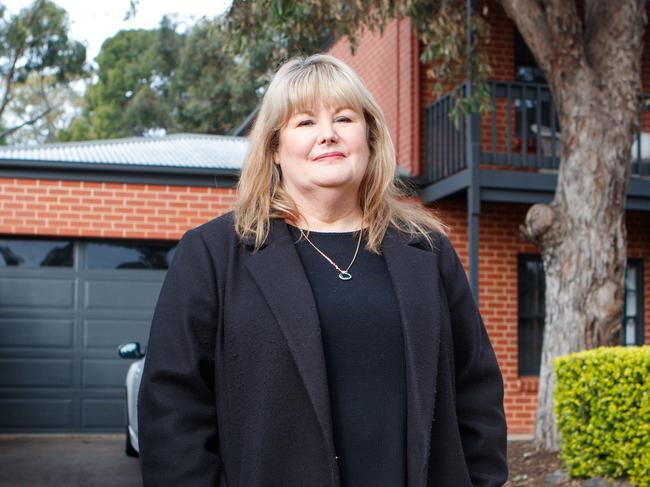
(176, 150)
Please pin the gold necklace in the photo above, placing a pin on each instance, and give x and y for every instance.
(344, 275)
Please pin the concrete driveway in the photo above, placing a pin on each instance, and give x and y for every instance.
(66, 461)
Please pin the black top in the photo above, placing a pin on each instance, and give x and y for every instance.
(364, 354)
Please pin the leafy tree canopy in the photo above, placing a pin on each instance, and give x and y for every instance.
(160, 79)
(35, 51)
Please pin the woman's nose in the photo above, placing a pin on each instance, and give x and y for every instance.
(327, 134)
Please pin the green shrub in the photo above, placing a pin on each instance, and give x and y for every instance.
(602, 406)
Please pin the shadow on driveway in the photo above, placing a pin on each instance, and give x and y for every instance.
(70, 461)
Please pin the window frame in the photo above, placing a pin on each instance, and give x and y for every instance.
(524, 369)
(528, 371)
(638, 264)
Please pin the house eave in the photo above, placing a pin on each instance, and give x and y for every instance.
(522, 187)
(120, 173)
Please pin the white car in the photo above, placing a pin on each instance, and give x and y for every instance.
(132, 351)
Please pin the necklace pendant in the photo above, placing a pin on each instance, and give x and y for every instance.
(345, 276)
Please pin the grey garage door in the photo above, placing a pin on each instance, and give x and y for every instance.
(65, 306)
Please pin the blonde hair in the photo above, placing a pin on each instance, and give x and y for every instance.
(303, 83)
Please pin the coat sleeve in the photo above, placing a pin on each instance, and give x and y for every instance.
(177, 417)
(479, 385)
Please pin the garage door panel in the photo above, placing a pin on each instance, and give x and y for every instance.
(36, 413)
(28, 372)
(104, 294)
(36, 292)
(102, 373)
(109, 334)
(103, 413)
(36, 332)
(59, 332)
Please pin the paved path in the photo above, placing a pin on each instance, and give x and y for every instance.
(67, 461)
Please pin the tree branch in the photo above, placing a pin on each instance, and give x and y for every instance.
(614, 38)
(554, 35)
(6, 98)
(31, 121)
(566, 38)
(533, 25)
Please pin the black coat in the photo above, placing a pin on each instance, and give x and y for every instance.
(234, 391)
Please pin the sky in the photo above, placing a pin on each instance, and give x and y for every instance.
(92, 21)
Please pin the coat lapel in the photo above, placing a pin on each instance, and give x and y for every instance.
(278, 271)
(414, 273)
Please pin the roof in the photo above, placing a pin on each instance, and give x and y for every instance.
(195, 151)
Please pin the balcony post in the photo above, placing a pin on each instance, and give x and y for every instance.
(473, 147)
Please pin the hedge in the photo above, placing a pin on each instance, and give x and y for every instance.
(602, 407)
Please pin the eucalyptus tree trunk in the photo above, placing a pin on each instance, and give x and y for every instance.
(592, 64)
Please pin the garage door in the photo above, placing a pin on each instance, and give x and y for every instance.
(65, 306)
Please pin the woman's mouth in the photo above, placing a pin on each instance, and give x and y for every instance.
(329, 155)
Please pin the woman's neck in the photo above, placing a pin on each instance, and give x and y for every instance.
(340, 214)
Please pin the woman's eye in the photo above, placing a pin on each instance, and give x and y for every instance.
(343, 119)
(304, 123)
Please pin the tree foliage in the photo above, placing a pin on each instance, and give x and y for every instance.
(150, 80)
(48, 105)
(36, 55)
(307, 27)
(125, 100)
(212, 91)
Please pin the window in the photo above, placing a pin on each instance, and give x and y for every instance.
(110, 255)
(525, 63)
(36, 253)
(531, 312)
(531, 290)
(632, 329)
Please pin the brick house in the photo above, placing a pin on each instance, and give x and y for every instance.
(513, 165)
(99, 202)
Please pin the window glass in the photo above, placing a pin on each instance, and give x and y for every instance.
(36, 253)
(632, 330)
(107, 255)
(531, 310)
(531, 313)
(629, 331)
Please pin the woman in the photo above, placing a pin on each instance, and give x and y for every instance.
(324, 333)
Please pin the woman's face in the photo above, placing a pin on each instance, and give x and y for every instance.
(325, 147)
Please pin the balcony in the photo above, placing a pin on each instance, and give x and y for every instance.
(521, 133)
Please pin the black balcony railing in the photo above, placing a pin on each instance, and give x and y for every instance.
(521, 130)
(445, 143)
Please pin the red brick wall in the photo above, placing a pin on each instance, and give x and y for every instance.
(499, 247)
(388, 64)
(88, 209)
(501, 47)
